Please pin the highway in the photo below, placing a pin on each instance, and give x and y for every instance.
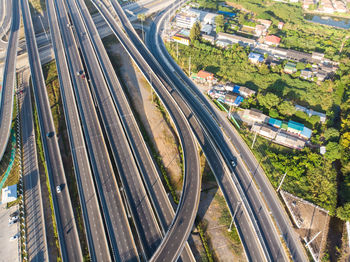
(5, 23)
(9, 80)
(150, 174)
(255, 171)
(118, 229)
(66, 225)
(144, 218)
(180, 229)
(93, 222)
(253, 241)
(34, 213)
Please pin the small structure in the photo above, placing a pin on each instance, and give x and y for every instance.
(217, 94)
(246, 92)
(272, 40)
(266, 23)
(208, 38)
(184, 40)
(260, 30)
(205, 75)
(9, 194)
(295, 127)
(264, 130)
(236, 39)
(223, 43)
(306, 74)
(321, 76)
(290, 141)
(306, 133)
(229, 14)
(323, 150)
(255, 58)
(209, 18)
(207, 29)
(311, 112)
(251, 116)
(275, 122)
(290, 68)
(317, 56)
(233, 100)
(280, 25)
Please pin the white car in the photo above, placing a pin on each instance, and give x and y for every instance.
(13, 218)
(58, 189)
(14, 237)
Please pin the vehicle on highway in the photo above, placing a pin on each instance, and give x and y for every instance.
(50, 134)
(81, 73)
(58, 189)
(14, 237)
(13, 218)
(233, 162)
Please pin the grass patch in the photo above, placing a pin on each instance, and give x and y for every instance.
(53, 90)
(38, 5)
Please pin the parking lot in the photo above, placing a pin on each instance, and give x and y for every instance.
(9, 249)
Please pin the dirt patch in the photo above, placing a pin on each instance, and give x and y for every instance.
(161, 134)
(312, 222)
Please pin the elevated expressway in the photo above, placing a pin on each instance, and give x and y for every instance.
(93, 222)
(249, 169)
(9, 79)
(115, 217)
(179, 230)
(150, 174)
(66, 225)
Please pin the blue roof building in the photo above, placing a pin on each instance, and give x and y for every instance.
(229, 14)
(255, 58)
(275, 122)
(306, 133)
(295, 127)
(236, 89)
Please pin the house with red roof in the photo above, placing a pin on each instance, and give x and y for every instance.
(205, 75)
(272, 40)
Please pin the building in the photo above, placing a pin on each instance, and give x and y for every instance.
(260, 30)
(246, 92)
(9, 194)
(266, 23)
(280, 25)
(264, 130)
(207, 29)
(251, 116)
(233, 100)
(223, 43)
(186, 19)
(208, 38)
(255, 58)
(290, 141)
(290, 68)
(209, 18)
(321, 76)
(224, 13)
(317, 56)
(306, 74)
(235, 39)
(272, 40)
(275, 122)
(311, 112)
(217, 94)
(205, 75)
(306, 133)
(339, 7)
(181, 39)
(295, 127)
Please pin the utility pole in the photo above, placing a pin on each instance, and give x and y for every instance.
(284, 176)
(177, 50)
(308, 243)
(256, 133)
(229, 112)
(234, 215)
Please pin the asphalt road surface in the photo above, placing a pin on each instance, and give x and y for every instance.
(96, 235)
(36, 231)
(7, 92)
(66, 224)
(114, 214)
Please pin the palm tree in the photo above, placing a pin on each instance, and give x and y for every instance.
(142, 18)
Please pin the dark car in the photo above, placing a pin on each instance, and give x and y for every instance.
(50, 134)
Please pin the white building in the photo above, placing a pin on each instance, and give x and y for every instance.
(206, 28)
(186, 19)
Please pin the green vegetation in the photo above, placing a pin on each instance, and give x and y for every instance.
(38, 5)
(195, 33)
(309, 175)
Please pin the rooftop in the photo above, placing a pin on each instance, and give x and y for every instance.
(273, 39)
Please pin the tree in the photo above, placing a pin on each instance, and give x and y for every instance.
(345, 140)
(269, 100)
(286, 108)
(333, 151)
(343, 212)
(331, 134)
(220, 23)
(142, 18)
(195, 33)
